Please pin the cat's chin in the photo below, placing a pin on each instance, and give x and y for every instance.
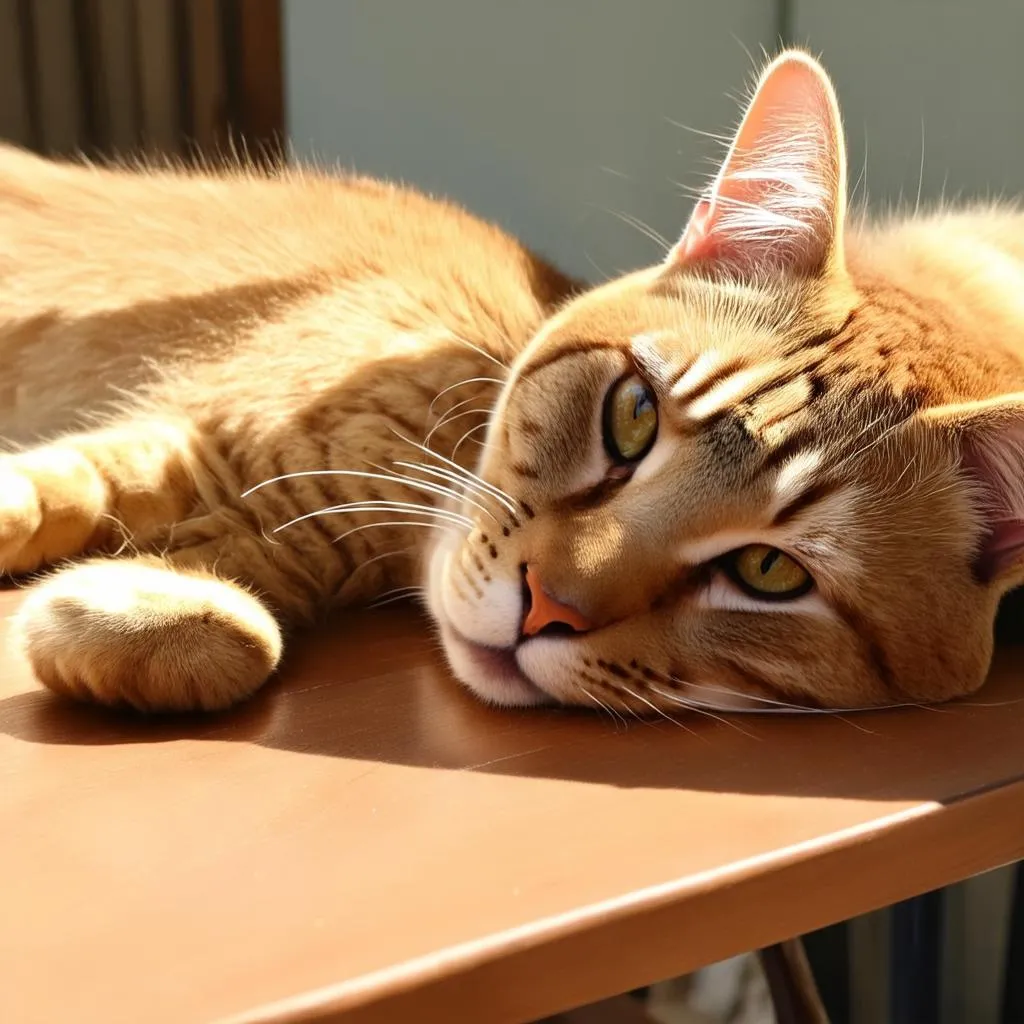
(493, 674)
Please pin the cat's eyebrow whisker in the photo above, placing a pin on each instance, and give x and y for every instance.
(465, 437)
(381, 506)
(478, 350)
(443, 417)
(461, 384)
(449, 419)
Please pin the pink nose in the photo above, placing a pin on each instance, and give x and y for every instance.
(545, 611)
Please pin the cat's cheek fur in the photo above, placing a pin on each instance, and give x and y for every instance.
(485, 611)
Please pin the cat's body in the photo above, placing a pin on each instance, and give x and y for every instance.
(183, 338)
(785, 466)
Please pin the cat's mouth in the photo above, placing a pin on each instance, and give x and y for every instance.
(493, 673)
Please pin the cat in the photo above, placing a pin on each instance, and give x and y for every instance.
(169, 341)
(782, 468)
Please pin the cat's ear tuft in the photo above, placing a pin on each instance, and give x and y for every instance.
(989, 435)
(778, 201)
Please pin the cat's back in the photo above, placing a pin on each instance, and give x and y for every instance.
(110, 274)
(93, 235)
(949, 286)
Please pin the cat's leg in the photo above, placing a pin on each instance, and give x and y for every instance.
(92, 489)
(158, 633)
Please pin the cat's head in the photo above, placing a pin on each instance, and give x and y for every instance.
(710, 482)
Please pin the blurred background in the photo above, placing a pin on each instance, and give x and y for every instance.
(579, 125)
(561, 119)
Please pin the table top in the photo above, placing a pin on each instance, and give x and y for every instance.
(364, 842)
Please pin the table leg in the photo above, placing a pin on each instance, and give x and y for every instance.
(791, 983)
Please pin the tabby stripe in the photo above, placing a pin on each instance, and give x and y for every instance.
(775, 692)
(811, 496)
(824, 337)
(715, 376)
(794, 443)
(564, 352)
(873, 649)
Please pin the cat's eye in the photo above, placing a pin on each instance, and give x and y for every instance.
(630, 419)
(765, 571)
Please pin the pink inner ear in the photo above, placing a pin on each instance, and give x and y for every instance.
(1003, 547)
(995, 457)
(777, 201)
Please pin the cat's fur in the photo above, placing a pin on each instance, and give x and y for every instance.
(179, 339)
(849, 393)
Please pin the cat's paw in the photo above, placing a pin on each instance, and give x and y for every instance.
(138, 633)
(51, 499)
(20, 515)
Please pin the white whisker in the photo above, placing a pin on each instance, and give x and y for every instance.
(392, 522)
(461, 384)
(505, 499)
(381, 506)
(465, 437)
(615, 716)
(450, 419)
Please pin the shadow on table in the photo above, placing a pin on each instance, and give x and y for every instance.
(372, 686)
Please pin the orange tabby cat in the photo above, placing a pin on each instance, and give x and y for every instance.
(783, 467)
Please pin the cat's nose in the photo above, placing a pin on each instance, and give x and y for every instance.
(543, 612)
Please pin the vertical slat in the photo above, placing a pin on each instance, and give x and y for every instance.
(916, 957)
(869, 943)
(15, 115)
(114, 73)
(1013, 978)
(208, 92)
(159, 84)
(260, 116)
(58, 76)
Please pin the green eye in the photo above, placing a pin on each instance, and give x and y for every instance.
(768, 572)
(630, 419)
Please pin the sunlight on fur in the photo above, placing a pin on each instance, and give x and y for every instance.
(780, 471)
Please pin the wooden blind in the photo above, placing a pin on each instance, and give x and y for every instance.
(173, 77)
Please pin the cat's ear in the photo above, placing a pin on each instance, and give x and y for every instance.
(989, 435)
(779, 199)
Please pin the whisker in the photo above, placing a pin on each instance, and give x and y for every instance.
(461, 384)
(449, 419)
(422, 485)
(381, 506)
(615, 716)
(392, 522)
(780, 707)
(394, 595)
(465, 437)
(479, 351)
(445, 474)
(655, 708)
(702, 710)
(645, 229)
(505, 499)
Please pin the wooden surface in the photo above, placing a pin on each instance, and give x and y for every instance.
(365, 843)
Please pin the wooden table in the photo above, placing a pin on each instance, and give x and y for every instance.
(364, 842)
